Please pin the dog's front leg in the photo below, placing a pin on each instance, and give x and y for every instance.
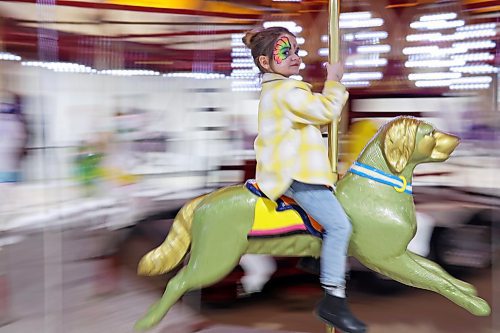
(465, 287)
(405, 269)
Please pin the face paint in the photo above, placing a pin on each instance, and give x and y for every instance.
(281, 49)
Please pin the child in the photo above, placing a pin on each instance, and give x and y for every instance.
(292, 158)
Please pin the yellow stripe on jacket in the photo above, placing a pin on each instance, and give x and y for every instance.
(289, 144)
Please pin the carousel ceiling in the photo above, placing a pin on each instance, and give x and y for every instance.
(170, 35)
(167, 35)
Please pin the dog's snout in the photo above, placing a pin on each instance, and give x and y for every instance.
(446, 140)
(445, 144)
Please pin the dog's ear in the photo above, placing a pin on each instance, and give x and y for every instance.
(399, 142)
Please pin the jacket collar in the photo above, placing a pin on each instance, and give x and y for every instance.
(272, 77)
(268, 77)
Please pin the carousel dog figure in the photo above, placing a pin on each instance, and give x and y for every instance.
(376, 193)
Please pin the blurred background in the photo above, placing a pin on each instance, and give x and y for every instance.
(114, 113)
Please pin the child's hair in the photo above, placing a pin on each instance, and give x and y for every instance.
(261, 42)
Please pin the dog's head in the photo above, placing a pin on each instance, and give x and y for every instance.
(411, 140)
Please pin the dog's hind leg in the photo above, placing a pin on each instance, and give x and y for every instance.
(202, 270)
(406, 270)
(465, 287)
(219, 238)
(176, 287)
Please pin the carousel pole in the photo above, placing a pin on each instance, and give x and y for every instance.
(333, 56)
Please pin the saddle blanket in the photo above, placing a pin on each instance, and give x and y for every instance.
(281, 218)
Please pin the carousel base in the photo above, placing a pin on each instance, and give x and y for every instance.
(242, 329)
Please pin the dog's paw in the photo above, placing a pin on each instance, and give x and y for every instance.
(150, 319)
(479, 307)
(146, 322)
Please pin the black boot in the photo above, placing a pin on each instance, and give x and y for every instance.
(335, 312)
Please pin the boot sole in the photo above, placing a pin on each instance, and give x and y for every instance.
(337, 330)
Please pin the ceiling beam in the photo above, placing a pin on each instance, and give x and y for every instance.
(180, 11)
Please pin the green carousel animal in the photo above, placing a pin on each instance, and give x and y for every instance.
(376, 195)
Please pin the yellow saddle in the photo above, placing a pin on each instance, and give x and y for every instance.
(282, 217)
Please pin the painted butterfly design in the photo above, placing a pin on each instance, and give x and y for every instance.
(280, 49)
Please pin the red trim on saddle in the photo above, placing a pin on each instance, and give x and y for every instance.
(314, 223)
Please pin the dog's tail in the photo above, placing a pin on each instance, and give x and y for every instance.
(170, 253)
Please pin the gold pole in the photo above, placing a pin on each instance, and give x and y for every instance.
(334, 56)
(330, 329)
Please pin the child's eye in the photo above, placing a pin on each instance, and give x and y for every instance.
(297, 51)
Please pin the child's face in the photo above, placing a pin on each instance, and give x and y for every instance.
(285, 60)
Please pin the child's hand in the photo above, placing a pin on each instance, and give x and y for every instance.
(334, 71)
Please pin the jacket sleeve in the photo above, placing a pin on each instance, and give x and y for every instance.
(303, 106)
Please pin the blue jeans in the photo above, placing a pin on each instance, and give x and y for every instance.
(320, 203)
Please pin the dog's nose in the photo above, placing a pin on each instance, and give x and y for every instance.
(445, 143)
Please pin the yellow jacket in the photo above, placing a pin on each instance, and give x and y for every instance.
(289, 145)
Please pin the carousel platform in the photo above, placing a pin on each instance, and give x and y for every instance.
(238, 329)
(51, 283)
